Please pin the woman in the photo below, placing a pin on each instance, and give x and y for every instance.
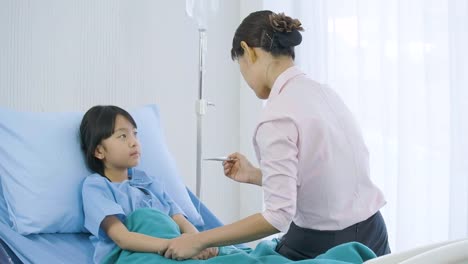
(314, 165)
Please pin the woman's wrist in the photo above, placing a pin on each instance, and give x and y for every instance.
(256, 177)
(204, 239)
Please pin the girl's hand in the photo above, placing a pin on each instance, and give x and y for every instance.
(207, 253)
(241, 170)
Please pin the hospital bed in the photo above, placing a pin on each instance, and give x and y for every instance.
(63, 248)
(36, 250)
(41, 169)
(446, 252)
(41, 172)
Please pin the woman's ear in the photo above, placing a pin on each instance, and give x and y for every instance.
(99, 152)
(248, 52)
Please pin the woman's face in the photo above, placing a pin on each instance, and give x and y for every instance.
(251, 72)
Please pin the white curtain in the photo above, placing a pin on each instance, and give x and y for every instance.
(402, 68)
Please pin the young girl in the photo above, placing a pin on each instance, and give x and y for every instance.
(109, 141)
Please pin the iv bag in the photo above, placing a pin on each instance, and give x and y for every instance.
(199, 10)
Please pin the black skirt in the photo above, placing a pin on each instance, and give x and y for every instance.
(303, 243)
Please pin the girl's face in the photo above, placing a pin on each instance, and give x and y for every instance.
(121, 150)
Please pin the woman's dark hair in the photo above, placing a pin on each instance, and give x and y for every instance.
(97, 124)
(275, 33)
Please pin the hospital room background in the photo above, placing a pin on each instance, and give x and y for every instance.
(400, 66)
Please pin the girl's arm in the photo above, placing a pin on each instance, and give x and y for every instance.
(184, 225)
(132, 241)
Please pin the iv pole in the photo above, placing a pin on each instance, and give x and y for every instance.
(198, 9)
(201, 108)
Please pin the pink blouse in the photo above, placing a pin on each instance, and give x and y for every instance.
(313, 158)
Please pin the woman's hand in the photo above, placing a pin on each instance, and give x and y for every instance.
(241, 170)
(184, 247)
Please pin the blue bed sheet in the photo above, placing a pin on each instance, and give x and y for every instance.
(48, 248)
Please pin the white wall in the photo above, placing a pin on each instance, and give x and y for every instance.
(251, 200)
(60, 55)
(251, 197)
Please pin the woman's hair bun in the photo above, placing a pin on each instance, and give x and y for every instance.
(286, 29)
(283, 23)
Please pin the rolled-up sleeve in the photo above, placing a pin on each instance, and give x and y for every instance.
(98, 202)
(276, 143)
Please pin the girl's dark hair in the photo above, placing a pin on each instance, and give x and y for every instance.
(97, 124)
(275, 33)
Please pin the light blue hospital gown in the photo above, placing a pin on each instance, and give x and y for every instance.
(102, 198)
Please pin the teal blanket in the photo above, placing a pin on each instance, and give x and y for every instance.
(157, 224)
